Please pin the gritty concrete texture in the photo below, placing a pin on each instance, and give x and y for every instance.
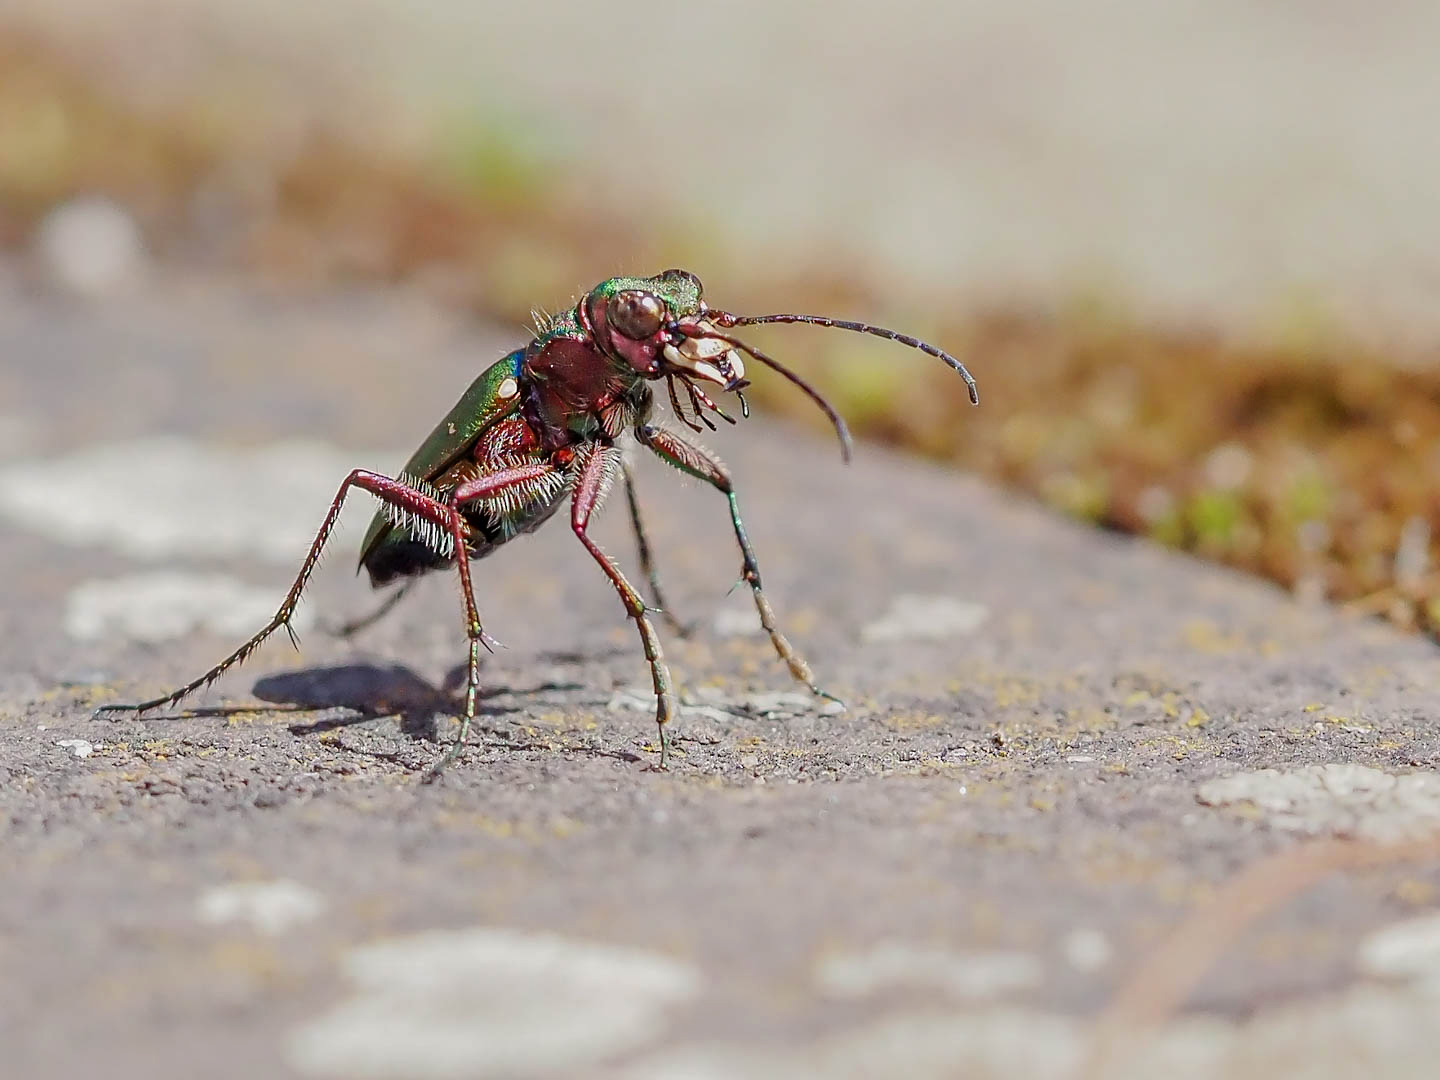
(953, 876)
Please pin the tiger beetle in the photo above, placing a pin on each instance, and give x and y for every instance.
(546, 421)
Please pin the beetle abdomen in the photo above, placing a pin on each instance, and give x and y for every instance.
(403, 557)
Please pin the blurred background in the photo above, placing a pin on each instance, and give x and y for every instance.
(1190, 250)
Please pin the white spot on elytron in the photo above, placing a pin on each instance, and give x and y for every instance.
(508, 388)
(169, 604)
(900, 965)
(1343, 800)
(81, 748)
(163, 497)
(271, 907)
(485, 1002)
(926, 618)
(1408, 950)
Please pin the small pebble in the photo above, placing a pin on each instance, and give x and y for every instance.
(81, 748)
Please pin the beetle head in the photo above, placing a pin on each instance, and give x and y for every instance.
(657, 327)
(661, 328)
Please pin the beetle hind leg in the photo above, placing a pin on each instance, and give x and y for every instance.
(697, 462)
(388, 491)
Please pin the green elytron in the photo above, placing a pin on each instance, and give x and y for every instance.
(544, 423)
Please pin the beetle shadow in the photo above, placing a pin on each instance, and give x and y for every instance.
(576, 656)
(454, 686)
(364, 691)
(367, 691)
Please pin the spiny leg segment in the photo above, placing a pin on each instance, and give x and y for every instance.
(691, 459)
(483, 486)
(590, 487)
(394, 493)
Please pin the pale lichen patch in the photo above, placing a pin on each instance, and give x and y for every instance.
(270, 907)
(491, 1002)
(925, 618)
(80, 748)
(162, 497)
(169, 604)
(1408, 950)
(1338, 799)
(926, 1046)
(897, 965)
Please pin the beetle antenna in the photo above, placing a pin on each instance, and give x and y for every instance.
(841, 431)
(724, 318)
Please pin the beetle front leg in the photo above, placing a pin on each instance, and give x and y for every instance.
(486, 485)
(590, 488)
(697, 462)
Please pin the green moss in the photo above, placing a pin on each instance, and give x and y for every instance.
(1168, 529)
(1082, 496)
(1214, 516)
(500, 161)
(1308, 498)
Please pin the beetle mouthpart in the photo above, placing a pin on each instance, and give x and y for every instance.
(707, 358)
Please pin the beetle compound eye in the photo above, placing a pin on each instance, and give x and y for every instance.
(637, 315)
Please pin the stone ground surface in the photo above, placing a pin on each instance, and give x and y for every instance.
(1032, 785)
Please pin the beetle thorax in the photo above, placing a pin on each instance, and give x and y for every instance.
(579, 392)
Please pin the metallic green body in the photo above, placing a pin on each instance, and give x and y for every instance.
(545, 422)
(679, 290)
(478, 409)
(483, 405)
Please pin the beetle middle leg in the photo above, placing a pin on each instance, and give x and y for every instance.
(349, 629)
(697, 462)
(590, 485)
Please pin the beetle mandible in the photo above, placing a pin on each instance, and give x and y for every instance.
(545, 421)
